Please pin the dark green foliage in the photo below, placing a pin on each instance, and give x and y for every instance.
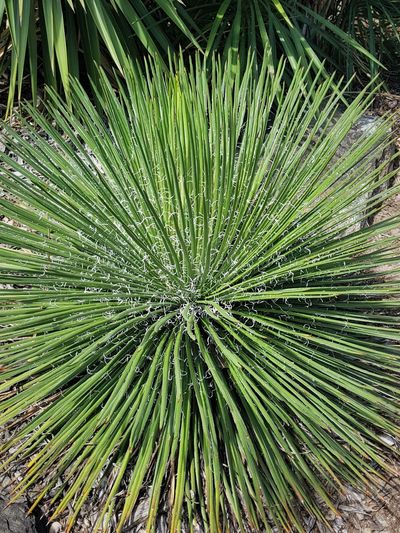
(61, 37)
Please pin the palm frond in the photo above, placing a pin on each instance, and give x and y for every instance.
(192, 321)
(99, 31)
(58, 38)
(354, 38)
(372, 24)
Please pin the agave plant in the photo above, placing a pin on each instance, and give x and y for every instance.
(196, 317)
